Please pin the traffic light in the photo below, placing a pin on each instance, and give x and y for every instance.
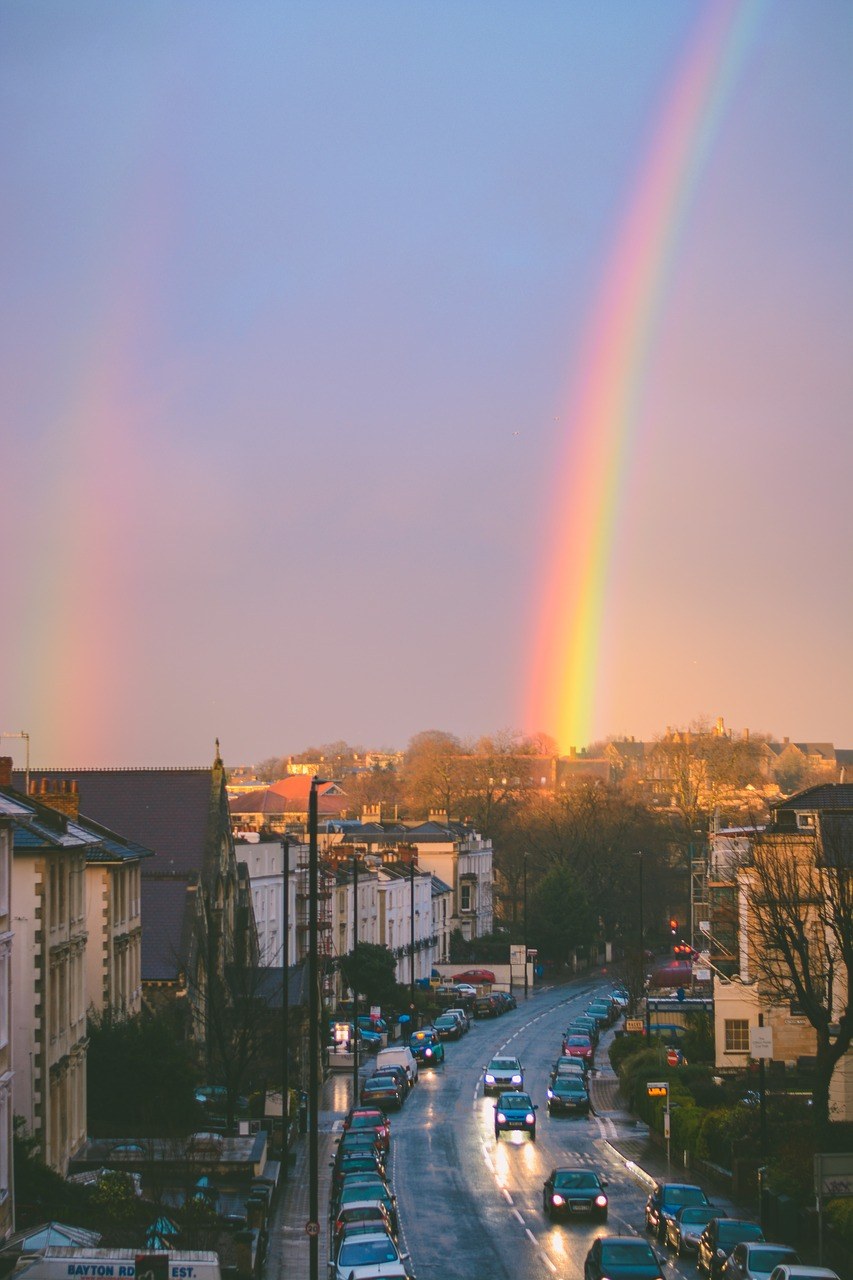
(673, 925)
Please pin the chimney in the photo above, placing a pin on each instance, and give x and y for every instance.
(573, 754)
(5, 771)
(786, 742)
(439, 816)
(61, 795)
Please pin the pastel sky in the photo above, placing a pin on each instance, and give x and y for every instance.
(296, 301)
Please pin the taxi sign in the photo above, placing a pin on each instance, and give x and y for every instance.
(657, 1088)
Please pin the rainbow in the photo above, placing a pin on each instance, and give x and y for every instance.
(605, 408)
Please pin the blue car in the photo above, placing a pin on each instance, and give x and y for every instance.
(426, 1047)
(515, 1111)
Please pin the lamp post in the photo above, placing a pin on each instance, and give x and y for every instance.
(285, 992)
(412, 938)
(642, 936)
(524, 881)
(355, 980)
(314, 1041)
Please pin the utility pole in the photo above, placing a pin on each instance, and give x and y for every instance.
(285, 993)
(525, 925)
(355, 980)
(313, 1225)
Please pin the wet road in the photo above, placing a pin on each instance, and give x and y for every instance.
(471, 1207)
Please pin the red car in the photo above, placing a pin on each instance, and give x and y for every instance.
(365, 1118)
(579, 1047)
(474, 976)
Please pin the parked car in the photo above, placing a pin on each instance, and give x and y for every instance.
(448, 1027)
(398, 1071)
(362, 1213)
(502, 1073)
(372, 1119)
(568, 1066)
(515, 1111)
(359, 1190)
(754, 1260)
(719, 1238)
(665, 1201)
(401, 1055)
(567, 1096)
(487, 1007)
(570, 1192)
(381, 1091)
(474, 976)
(463, 1016)
(362, 1253)
(362, 1140)
(347, 1162)
(579, 1046)
(622, 1258)
(685, 1227)
(790, 1272)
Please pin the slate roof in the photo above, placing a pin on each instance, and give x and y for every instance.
(824, 795)
(165, 904)
(161, 809)
(38, 826)
(269, 990)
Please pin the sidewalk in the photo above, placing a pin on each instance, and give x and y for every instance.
(288, 1244)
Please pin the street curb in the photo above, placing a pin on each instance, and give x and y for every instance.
(637, 1172)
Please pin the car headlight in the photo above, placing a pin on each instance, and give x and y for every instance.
(557, 1199)
(721, 1253)
(530, 1118)
(516, 1079)
(601, 1201)
(550, 1093)
(490, 1079)
(427, 1053)
(501, 1118)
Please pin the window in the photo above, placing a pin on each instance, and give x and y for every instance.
(465, 897)
(737, 1035)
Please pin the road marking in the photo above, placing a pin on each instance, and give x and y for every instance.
(531, 1236)
(507, 1196)
(518, 1215)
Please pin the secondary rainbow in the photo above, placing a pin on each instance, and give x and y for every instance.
(566, 666)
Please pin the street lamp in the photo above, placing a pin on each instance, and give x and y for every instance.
(412, 937)
(285, 992)
(524, 865)
(641, 939)
(313, 1225)
(355, 980)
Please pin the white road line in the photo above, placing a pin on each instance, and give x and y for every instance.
(531, 1237)
(518, 1215)
(507, 1196)
(548, 1263)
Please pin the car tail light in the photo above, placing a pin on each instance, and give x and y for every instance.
(601, 1201)
(501, 1118)
(557, 1199)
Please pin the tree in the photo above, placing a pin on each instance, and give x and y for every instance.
(371, 969)
(431, 772)
(141, 1076)
(799, 890)
(561, 921)
(271, 769)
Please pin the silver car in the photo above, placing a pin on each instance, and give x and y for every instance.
(684, 1228)
(502, 1074)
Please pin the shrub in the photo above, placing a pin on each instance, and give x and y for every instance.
(623, 1047)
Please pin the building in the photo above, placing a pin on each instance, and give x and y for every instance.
(7, 1196)
(283, 806)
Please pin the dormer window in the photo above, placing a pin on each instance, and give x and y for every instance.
(806, 821)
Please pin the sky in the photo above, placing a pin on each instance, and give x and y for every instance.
(302, 305)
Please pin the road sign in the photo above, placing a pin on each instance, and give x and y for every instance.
(702, 975)
(833, 1175)
(312, 1228)
(657, 1089)
(634, 1024)
(673, 1057)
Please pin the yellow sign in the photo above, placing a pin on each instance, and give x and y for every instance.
(634, 1024)
(656, 1090)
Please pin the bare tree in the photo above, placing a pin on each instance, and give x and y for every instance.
(799, 891)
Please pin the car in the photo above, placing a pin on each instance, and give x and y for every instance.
(362, 1213)
(381, 1091)
(359, 1188)
(361, 1140)
(370, 1022)
(448, 1027)
(362, 1253)
(568, 1066)
(486, 1007)
(684, 1228)
(370, 1118)
(665, 1201)
(474, 976)
(462, 1015)
(584, 1027)
(754, 1260)
(426, 1047)
(605, 1008)
(567, 1193)
(507, 999)
(502, 1073)
(568, 1096)
(719, 1238)
(347, 1162)
(515, 1111)
(579, 1046)
(789, 1271)
(398, 1072)
(622, 1258)
(464, 989)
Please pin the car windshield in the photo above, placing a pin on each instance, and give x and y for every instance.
(684, 1195)
(515, 1101)
(364, 1253)
(732, 1232)
(578, 1042)
(699, 1214)
(764, 1259)
(575, 1181)
(504, 1064)
(630, 1253)
(569, 1085)
(372, 1121)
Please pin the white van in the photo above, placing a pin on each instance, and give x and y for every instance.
(399, 1056)
(62, 1262)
